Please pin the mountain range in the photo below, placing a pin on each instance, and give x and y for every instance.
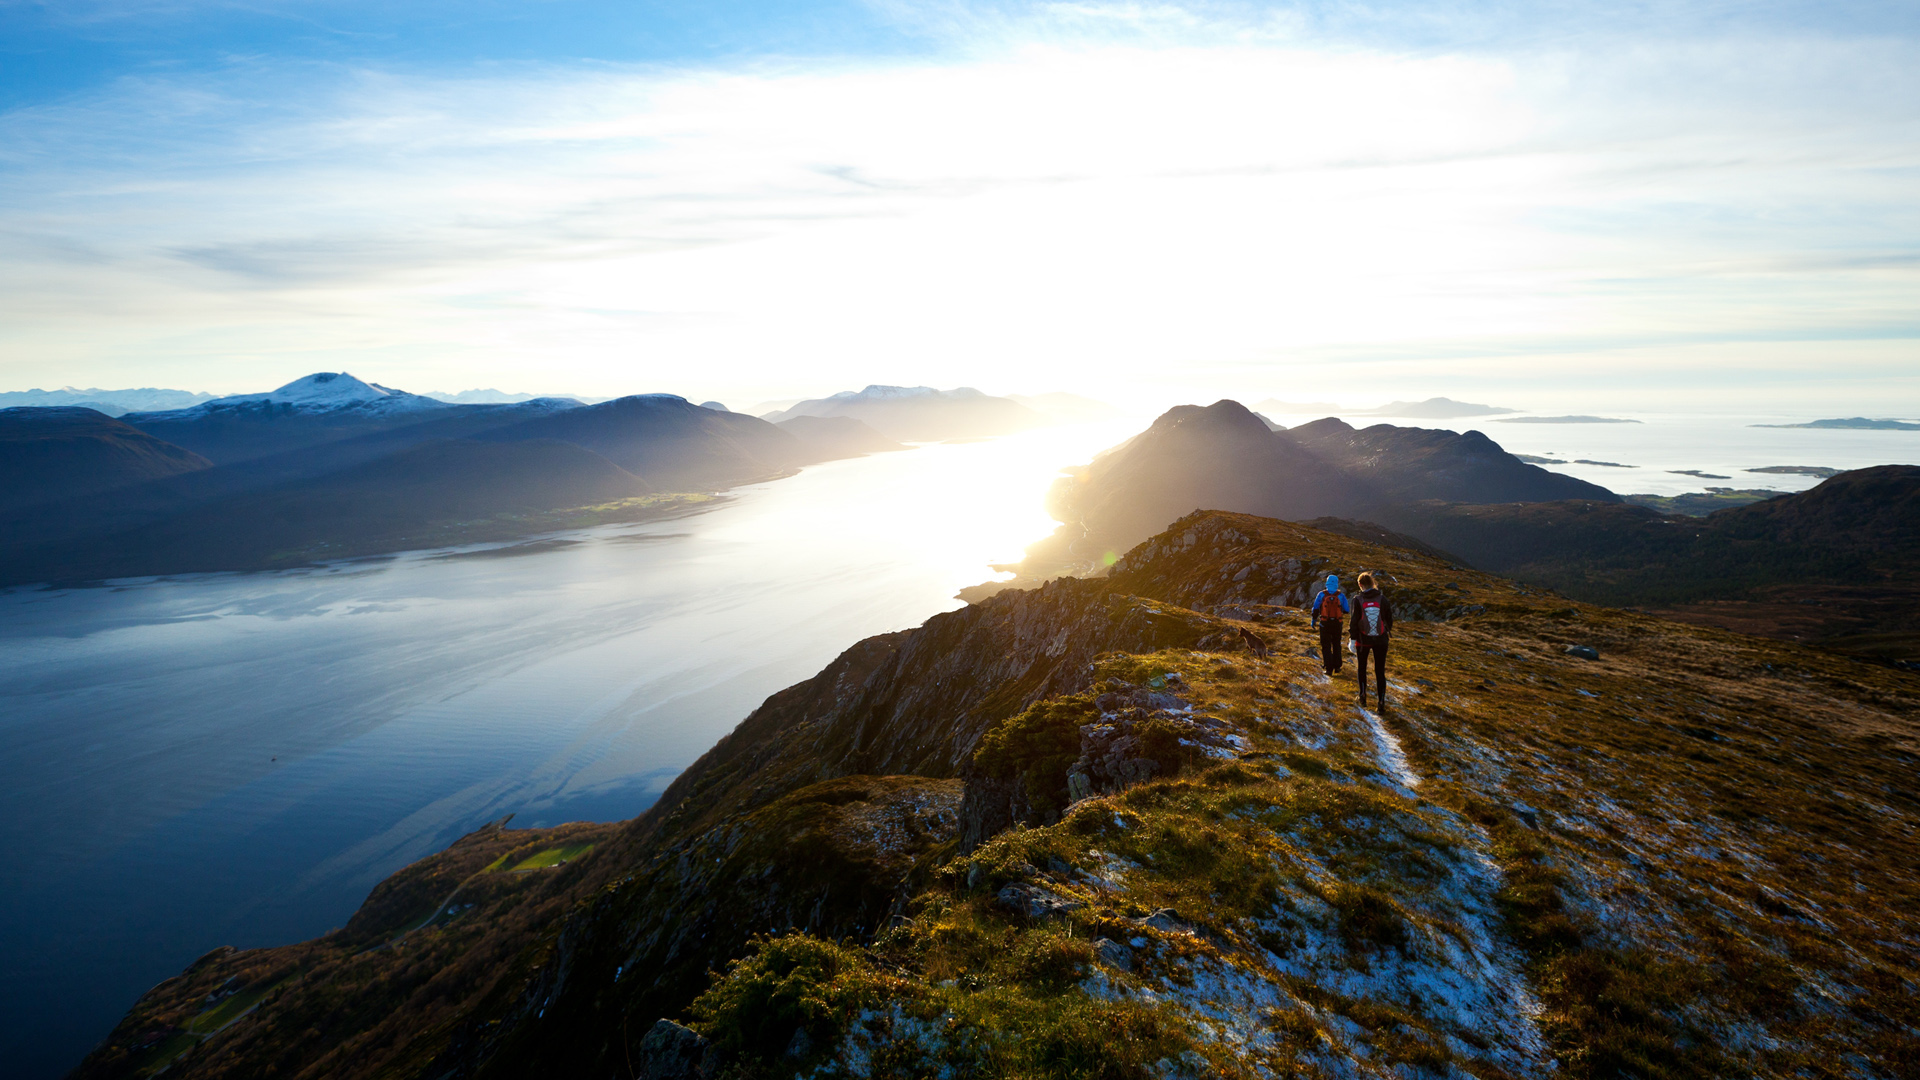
(1223, 456)
(1837, 564)
(921, 413)
(1125, 827)
(330, 466)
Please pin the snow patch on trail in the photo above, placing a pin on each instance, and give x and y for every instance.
(1392, 758)
(1496, 993)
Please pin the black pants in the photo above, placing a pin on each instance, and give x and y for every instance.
(1330, 645)
(1378, 647)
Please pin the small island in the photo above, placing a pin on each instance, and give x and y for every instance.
(1856, 423)
(1566, 420)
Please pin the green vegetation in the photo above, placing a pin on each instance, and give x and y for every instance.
(1702, 503)
(224, 1013)
(552, 857)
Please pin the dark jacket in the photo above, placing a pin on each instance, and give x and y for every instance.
(1360, 602)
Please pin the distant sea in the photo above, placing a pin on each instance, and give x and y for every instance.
(1648, 455)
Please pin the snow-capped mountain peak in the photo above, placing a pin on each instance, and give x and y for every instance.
(324, 391)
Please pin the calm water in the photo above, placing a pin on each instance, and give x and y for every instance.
(238, 758)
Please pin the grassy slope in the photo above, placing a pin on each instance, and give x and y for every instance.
(1690, 858)
(373, 996)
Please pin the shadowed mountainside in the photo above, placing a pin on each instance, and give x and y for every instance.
(48, 454)
(433, 494)
(1222, 456)
(354, 480)
(1081, 830)
(1838, 564)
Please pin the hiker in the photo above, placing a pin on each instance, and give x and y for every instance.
(1372, 625)
(1329, 605)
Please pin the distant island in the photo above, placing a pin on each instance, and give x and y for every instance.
(1438, 408)
(1820, 471)
(1536, 459)
(1606, 464)
(1565, 420)
(1696, 473)
(1857, 423)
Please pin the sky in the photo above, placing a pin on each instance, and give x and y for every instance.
(1686, 206)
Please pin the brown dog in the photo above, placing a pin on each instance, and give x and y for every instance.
(1259, 647)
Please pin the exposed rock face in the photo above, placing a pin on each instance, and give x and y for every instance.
(674, 1052)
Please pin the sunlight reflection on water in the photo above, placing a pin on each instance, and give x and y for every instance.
(237, 758)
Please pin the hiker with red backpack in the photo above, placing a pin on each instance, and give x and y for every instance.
(1329, 607)
(1372, 624)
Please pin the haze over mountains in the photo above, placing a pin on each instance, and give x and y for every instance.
(921, 413)
(111, 402)
(330, 465)
(1438, 408)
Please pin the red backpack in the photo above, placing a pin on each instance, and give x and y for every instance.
(1330, 605)
(1369, 618)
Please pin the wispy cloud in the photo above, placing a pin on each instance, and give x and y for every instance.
(1212, 191)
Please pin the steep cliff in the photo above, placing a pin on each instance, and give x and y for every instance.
(1126, 827)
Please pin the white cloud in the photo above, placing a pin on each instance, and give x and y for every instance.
(1246, 216)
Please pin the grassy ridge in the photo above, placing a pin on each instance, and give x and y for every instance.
(1692, 857)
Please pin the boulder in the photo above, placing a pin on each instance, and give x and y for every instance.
(1035, 902)
(672, 1051)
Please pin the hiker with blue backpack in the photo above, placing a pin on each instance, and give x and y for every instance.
(1329, 607)
(1372, 624)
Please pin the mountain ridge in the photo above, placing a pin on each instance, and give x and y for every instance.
(1690, 857)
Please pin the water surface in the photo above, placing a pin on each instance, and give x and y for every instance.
(238, 758)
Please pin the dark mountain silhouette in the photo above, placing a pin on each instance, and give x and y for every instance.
(1860, 527)
(444, 491)
(921, 413)
(1838, 565)
(1220, 456)
(1401, 464)
(1224, 457)
(675, 444)
(55, 453)
(350, 452)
